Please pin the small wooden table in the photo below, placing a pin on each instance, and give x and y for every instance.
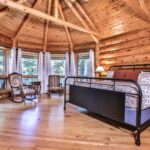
(5, 92)
(36, 85)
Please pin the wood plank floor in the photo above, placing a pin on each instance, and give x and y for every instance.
(47, 127)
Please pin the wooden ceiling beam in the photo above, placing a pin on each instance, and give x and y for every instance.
(85, 15)
(66, 28)
(137, 10)
(49, 4)
(42, 15)
(75, 12)
(144, 6)
(6, 10)
(26, 20)
(56, 8)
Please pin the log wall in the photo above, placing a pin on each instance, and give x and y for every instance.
(129, 48)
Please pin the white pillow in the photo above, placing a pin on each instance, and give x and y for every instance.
(144, 78)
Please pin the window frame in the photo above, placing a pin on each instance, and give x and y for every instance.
(4, 64)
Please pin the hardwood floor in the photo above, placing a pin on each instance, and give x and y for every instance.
(47, 127)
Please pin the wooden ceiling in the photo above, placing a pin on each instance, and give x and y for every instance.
(103, 18)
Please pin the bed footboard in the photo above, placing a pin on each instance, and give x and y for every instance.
(109, 103)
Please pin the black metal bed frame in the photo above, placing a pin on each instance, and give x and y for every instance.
(78, 94)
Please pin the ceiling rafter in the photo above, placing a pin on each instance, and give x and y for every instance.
(42, 15)
(75, 12)
(143, 5)
(49, 5)
(66, 28)
(135, 7)
(85, 15)
(26, 19)
(6, 10)
(56, 8)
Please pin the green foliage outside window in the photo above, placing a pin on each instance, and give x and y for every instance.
(84, 65)
(58, 67)
(29, 65)
(2, 62)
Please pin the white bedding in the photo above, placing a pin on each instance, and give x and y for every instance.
(127, 87)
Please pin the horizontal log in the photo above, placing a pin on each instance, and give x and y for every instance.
(125, 36)
(130, 52)
(128, 60)
(125, 45)
(126, 52)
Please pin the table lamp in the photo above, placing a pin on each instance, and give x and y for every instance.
(99, 70)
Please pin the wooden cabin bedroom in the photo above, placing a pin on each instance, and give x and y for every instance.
(74, 74)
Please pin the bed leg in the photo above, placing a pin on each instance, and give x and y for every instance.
(137, 138)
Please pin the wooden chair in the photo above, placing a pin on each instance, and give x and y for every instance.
(54, 85)
(19, 89)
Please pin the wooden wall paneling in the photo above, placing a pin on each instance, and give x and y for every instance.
(125, 45)
(131, 48)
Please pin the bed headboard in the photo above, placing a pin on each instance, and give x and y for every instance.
(142, 67)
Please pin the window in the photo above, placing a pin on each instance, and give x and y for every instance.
(58, 64)
(83, 64)
(29, 64)
(2, 61)
(2, 66)
(29, 67)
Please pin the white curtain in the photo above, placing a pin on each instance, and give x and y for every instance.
(73, 71)
(19, 61)
(67, 65)
(40, 71)
(92, 63)
(12, 61)
(47, 70)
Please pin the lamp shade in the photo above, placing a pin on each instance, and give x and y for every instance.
(99, 69)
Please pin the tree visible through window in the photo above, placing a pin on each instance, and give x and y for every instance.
(83, 65)
(2, 62)
(58, 64)
(29, 66)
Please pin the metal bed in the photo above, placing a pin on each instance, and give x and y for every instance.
(106, 102)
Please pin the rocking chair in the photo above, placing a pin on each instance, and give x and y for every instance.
(54, 85)
(19, 89)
